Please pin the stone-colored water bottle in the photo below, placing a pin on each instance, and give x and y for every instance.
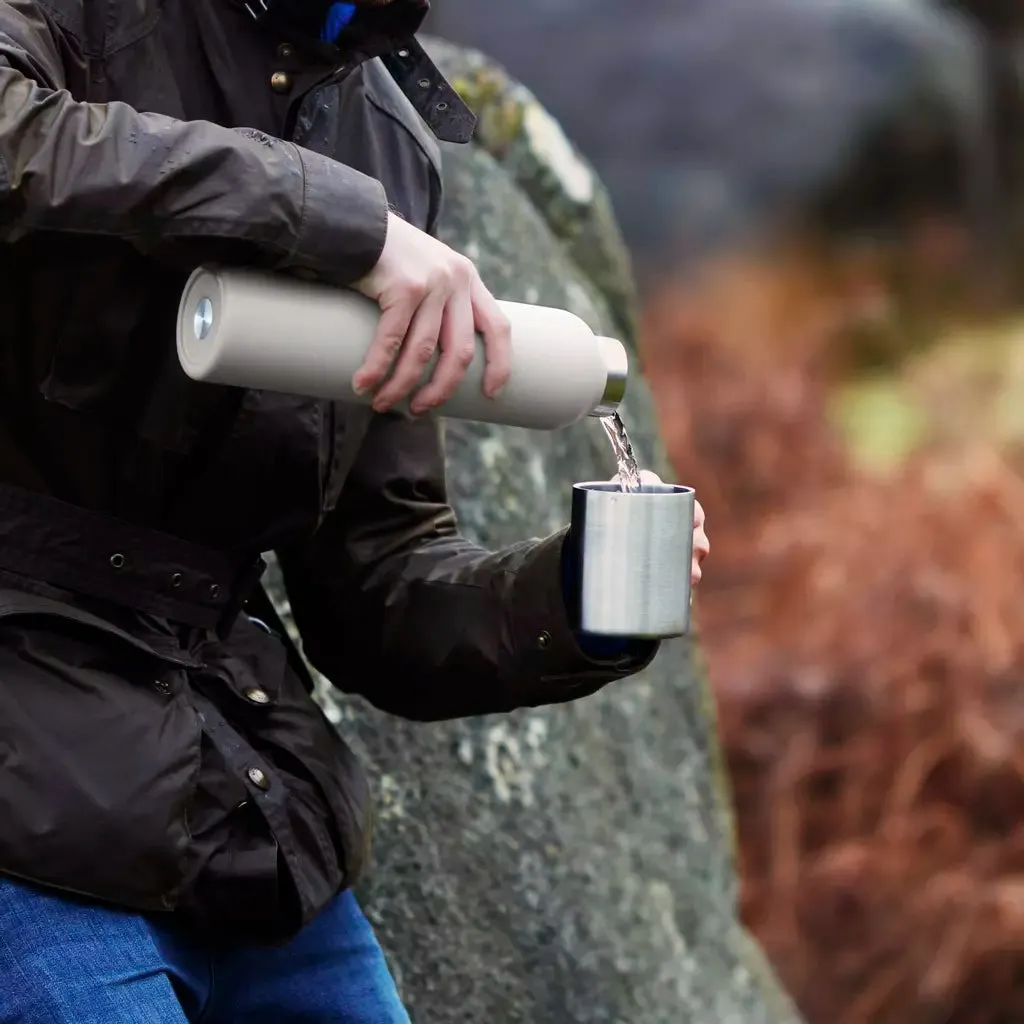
(272, 332)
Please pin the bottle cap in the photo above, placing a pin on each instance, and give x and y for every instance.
(616, 364)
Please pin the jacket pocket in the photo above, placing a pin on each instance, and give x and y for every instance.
(328, 803)
(99, 755)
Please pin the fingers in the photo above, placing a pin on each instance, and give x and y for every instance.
(416, 352)
(443, 313)
(457, 341)
(387, 343)
(492, 323)
(700, 552)
(701, 544)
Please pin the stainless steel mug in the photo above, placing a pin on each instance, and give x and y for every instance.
(631, 554)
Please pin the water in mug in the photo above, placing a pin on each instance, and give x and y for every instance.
(629, 472)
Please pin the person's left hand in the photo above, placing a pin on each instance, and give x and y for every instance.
(701, 544)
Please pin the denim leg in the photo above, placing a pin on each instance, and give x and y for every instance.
(68, 962)
(333, 972)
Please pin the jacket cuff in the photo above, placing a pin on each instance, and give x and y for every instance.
(344, 221)
(551, 664)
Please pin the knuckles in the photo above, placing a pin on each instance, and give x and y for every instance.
(415, 289)
(392, 345)
(423, 349)
(454, 272)
(465, 355)
(462, 270)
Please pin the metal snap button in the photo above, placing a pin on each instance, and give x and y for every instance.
(214, 590)
(403, 54)
(257, 696)
(280, 81)
(117, 560)
(285, 51)
(176, 580)
(424, 83)
(543, 639)
(258, 778)
(442, 106)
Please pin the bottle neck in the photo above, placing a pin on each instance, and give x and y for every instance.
(616, 364)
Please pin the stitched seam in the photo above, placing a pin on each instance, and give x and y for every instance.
(300, 235)
(114, 43)
(131, 37)
(75, 30)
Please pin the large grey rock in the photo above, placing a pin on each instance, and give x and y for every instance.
(570, 864)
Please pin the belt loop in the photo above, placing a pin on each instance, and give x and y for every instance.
(243, 586)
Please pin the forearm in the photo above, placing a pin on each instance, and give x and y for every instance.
(451, 630)
(394, 604)
(108, 169)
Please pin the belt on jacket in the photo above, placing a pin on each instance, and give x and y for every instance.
(98, 556)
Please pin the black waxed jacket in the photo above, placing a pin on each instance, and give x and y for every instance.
(156, 749)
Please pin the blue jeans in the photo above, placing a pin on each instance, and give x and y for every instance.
(63, 962)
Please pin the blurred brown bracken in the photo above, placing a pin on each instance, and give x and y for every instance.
(865, 638)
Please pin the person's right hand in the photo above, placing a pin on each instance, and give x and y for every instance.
(431, 298)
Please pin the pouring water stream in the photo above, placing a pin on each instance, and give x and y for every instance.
(629, 472)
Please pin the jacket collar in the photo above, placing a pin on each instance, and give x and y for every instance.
(387, 32)
(374, 31)
(434, 98)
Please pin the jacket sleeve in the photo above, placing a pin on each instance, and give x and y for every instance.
(107, 169)
(392, 603)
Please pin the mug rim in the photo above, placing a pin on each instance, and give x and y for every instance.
(662, 490)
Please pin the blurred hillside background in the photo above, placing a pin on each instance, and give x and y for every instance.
(824, 199)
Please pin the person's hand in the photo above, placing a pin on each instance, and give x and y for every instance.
(701, 544)
(430, 298)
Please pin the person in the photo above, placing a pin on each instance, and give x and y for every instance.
(182, 825)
